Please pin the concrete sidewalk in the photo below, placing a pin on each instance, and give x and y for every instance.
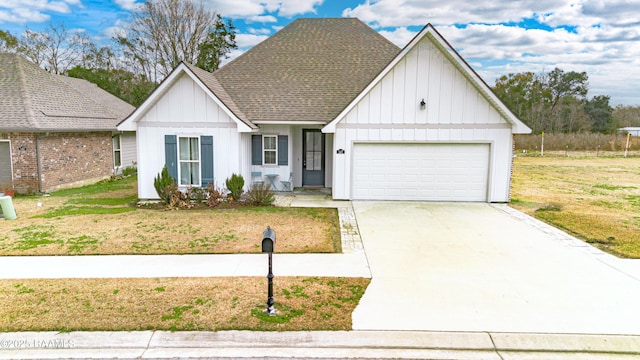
(314, 345)
(151, 266)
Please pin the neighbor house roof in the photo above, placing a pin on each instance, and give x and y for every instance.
(307, 72)
(32, 99)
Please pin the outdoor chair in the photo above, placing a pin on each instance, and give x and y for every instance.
(256, 177)
(286, 184)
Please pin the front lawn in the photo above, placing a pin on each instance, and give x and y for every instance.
(103, 219)
(178, 304)
(596, 199)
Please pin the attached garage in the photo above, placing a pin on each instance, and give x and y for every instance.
(415, 171)
(427, 128)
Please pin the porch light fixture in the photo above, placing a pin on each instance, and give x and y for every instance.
(423, 104)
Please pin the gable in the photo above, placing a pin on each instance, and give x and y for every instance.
(183, 99)
(428, 69)
(184, 104)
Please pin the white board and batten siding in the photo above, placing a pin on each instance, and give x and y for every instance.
(186, 110)
(456, 116)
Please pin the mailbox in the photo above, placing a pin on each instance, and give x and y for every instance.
(268, 240)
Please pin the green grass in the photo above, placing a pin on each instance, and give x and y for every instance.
(83, 210)
(98, 188)
(33, 236)
(127, 200)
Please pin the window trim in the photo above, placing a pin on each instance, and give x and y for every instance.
(180, 161)
(264, 150)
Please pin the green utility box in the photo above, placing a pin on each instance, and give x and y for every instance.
(8, 211)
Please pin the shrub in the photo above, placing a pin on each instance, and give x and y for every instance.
(197, 194)
(129, 171)
(261, 195)
(165, 185)
(214, 196)
(235, 185)
(179, 199)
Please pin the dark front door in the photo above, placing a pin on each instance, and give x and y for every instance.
(312, 157)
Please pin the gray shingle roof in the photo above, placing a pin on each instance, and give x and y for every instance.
(308, 71)
(32, 99)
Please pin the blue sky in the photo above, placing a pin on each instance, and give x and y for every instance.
(496, 38)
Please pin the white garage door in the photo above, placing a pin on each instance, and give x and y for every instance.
(436, 172)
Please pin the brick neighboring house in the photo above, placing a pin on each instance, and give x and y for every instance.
(57, 131)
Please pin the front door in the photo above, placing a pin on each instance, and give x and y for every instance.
(312, 157)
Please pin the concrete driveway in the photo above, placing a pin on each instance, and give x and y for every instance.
(480, 267)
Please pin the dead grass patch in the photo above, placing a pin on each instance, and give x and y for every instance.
(594, 199)
(103, 220)
(177, 304)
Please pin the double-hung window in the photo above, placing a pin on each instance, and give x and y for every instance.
(270, 149)
(117, 156)
(189, 159)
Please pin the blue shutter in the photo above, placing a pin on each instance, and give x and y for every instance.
(206, 160)
(171, 155)
(256, 150)
(283, 150)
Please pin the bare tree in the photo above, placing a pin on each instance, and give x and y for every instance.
(56, 49)
(165, 32)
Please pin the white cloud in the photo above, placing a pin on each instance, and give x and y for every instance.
(127, 4)
(23, 11)
(236, 8)
(252, 8)
(248, 40)
(400, 36)
(295, 7)
(261, 19)
(262, 31)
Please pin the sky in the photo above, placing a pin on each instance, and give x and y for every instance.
(498, 37)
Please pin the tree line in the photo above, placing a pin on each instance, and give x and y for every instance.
(157, 37)
(556, 102)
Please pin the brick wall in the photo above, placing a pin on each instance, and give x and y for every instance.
(24, 161)
(65, 158)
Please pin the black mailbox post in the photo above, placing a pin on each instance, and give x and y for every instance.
(268, 242)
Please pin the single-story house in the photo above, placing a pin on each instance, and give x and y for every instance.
(57, 131)
(331, 103)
